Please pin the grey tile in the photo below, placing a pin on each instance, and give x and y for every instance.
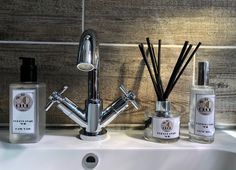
(211, 22)
(41, 20)
(119, 65)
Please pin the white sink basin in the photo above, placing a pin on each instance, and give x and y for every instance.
(123, 150)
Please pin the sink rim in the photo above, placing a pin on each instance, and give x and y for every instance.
(117, 140)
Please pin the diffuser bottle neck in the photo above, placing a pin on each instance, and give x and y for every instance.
(163, 108)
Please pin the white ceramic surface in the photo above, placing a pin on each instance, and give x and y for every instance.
(122, 150)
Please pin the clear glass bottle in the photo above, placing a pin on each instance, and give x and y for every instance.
(163, 125)
(27, 106)
(202, 108)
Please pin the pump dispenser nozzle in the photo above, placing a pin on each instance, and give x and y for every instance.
(28, 70)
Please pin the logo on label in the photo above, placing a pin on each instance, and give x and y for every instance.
(205, 106)
(23, 102)
(167, 125)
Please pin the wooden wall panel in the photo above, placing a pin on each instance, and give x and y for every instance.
(211, 22)
(44, 20)
(124, 22)
(119, 65)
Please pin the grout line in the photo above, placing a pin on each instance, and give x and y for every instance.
(166, 46)
(83, 9)
(106, 44)
(39, 42)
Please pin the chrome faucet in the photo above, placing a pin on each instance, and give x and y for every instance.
(93, 119)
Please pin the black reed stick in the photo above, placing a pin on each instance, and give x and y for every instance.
(159, 56)
(158, 78)
(150, 72)
(186, 54)
(153, 59)
(182, 70)
(167, 92)
(159, 65)
(152, 55)
(175, 70)
(156, 66)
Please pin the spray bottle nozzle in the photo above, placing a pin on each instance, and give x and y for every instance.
(27, 61)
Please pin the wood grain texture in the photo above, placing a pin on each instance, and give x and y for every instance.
(119, 65)
(44, 20)
(211, 22)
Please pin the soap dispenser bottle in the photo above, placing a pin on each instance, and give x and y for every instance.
(26, 105)
(202, 107)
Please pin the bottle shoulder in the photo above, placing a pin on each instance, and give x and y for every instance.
(203, 89)
(26, 85)
(197, 87)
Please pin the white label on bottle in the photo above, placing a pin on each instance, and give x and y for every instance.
(166, 128)
(204, 118)
(23, 109)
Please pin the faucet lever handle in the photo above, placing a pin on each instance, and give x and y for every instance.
(130, 96)
(134, 103)
(52, 97)
(49, 105)
(63, 90)
(123, 90)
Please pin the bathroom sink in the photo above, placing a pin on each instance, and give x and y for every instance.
(61, 150)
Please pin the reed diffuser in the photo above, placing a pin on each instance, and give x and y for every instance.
(163, 125)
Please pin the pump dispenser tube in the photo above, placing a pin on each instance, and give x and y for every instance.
(26, 105)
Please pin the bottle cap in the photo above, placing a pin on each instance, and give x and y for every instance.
(28, 70)
(203, 73)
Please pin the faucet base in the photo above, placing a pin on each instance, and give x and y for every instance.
(92, 136)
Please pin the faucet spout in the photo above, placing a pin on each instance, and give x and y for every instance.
(88, 61)
(88, 51)
(92, 119)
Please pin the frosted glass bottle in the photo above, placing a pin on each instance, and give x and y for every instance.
(27, 101)
(163, 125)
(202, 108)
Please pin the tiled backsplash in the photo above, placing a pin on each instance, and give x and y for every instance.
(49, 31)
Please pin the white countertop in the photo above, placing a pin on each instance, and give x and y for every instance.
(117, 139)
